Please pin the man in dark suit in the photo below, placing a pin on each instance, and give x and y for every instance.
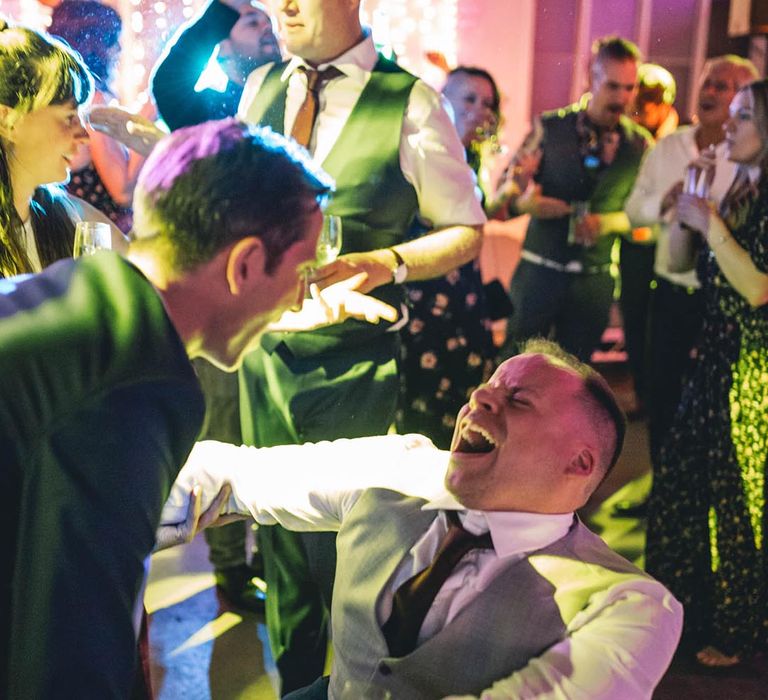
(481, 581)
(99, 405)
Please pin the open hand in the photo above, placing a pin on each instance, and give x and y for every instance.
(335, 304)
(132, 130)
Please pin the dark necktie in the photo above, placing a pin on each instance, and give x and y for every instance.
(735, 206)
(415, 596)
(307, 114)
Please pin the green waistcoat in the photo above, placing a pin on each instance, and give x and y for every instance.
(562, 175)
(376, 203)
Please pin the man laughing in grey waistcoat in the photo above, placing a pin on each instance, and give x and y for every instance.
(543, 609)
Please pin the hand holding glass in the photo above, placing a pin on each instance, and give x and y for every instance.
(578, 211)
(90, 237)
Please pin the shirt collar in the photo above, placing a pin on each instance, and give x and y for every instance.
(356, 63)
(512, 532)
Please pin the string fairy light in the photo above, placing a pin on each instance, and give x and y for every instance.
(406, 28)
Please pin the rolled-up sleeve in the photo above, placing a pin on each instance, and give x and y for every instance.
(432, 159)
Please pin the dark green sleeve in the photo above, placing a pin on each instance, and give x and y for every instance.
(99, 408)
(183, 60)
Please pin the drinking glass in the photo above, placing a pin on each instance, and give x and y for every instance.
(578, 211)
(329, 242)
(91, 236)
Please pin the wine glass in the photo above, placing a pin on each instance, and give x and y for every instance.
(90, 237)
(329, 242)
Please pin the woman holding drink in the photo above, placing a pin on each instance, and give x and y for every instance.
(707, 520)
(43, 86)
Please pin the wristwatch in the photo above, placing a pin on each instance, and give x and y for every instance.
(400, 273)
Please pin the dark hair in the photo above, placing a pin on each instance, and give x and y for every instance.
(92, 29)
(603, 410)
(482, 73)
(36, 70)
(614, 48)
(759, 90)
(206, 186)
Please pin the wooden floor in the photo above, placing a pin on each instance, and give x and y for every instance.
(201, 650)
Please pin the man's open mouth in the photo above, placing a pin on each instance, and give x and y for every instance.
(475, 440)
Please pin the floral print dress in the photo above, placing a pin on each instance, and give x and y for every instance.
(446, 351)
(707, 522)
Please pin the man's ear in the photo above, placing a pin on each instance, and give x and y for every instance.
(246, 264)
(583, 462)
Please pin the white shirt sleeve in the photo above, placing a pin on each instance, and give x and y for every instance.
(643, 207)
(310, 486)
(432, 159)
(618, 647)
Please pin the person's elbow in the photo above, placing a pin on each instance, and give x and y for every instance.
(758, 295)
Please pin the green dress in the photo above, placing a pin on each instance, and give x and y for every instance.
(707, 519)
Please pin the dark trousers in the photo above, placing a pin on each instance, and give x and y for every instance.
(636, 266)
(572, 309)
(290, 400)
(676, 316)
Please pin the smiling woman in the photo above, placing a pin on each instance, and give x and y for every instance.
(707, 513)
(42, 86)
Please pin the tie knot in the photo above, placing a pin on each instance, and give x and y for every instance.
(317, 78)
(461, 541)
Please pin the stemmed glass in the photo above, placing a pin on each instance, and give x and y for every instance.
(329, 242)
(90, 237)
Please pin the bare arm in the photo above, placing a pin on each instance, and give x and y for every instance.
(735, 262)
(429, 256)
(117, 167)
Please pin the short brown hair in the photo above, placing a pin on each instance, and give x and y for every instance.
(602, 409)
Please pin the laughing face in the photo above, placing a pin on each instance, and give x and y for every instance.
(516, 440)
(614, 84)
(718, 88)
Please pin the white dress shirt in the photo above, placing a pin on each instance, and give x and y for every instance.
(617, 647)
(662, 167)
(432, 158)
(513, 534)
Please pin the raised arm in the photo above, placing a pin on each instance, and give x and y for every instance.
(184, 59)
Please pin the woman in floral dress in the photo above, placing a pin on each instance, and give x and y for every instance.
(707, 514)
(447, 348)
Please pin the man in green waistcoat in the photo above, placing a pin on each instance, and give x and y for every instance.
(386, 139)
(590, 153)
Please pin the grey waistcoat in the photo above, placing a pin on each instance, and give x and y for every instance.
(515, 619)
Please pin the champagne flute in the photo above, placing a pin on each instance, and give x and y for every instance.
(329, 242)
(90, 237)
